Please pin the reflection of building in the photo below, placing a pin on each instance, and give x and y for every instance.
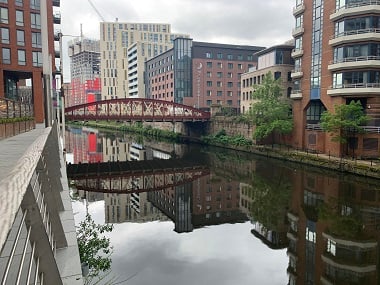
(333, 231)
(199, 74)
(115, 149)
(276, 60)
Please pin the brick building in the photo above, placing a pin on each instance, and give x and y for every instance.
(21, 48)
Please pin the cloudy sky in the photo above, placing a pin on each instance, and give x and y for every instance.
(251, 22)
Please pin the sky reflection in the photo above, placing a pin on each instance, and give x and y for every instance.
(154, 253)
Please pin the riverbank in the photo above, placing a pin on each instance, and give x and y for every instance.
(365, 168)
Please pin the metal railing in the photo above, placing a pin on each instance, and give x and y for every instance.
(355, 59)
(355, 32)
(368, 129)
(356, 85)
(30, 203)
(15, 109)
(357, 4)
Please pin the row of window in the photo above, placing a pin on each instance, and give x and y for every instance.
(220, 74)
(21, 57)
(34, 4)
(35, 19)
(220, 55)
(220, 84)
(156, 88)
(229, 65)
(219, 93)
(20, 36)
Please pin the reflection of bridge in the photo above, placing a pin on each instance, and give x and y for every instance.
(138, 109)
(134, 176)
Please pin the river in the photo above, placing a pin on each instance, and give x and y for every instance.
(231, 218)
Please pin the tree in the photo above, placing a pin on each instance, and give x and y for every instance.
(345, 123)
(270, 112)
(94, 248)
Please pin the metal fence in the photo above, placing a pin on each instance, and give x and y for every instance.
(15, 109)
(30, 203)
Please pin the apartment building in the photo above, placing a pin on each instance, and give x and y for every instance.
(85, 71)
(276, 60)
(336, 56)
(199, 74)
(21, 48)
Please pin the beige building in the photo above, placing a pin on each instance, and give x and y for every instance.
(278, 61)
(141, 41)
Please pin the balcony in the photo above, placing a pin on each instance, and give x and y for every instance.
(298, 31)
(354, 9)
(362, 269)
(371, 34)
(57, 18)
(355, 89)
(299, 9)
(297, 53)
(56, 3)
(297, 73)
(296, 94)
(355, 62)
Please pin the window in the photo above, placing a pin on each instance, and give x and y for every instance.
(240, 66)
(219, 84)
(209, 64)
(35, 20)
(230, 57)
(240, 57)
(3, 15)
(250, 57)
(299, 21)
(219, 93)
(229, 102)
(208, 74)
(209, 83)
(220, 65)
(208, 93)
(21, 57)
(37, 58)
(230, 84)
(208, 55)
(4, 35)
(6, 55)
(36, 40)
(19, 18)
(208, 102)
(229, 93)
(219, 56)
(219, 74)
(229, 74)
(35, 4)
(230, 65)
(20, 38)
(4, 1)
(19, 3)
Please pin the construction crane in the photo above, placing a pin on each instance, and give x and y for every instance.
(96, 10)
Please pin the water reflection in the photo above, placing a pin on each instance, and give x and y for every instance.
(324, 225)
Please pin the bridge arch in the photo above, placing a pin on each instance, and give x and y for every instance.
(136, 109)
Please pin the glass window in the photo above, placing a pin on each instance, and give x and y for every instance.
(21, 57)
(4, 35)
(240, 57)
(219, 93)
(19, 18)
(230, 65)
(209, 102)
(230, 84)
(19, 3)
(20, 38)
(4, 1)
(6, 55)
(219, 56)
(209, 83)
(209, 64)
(36, 40)
(37, 58)
(35, 20)
(219, 74)
(230, 57)
(35, 4)
(208, 55)
(4, 15)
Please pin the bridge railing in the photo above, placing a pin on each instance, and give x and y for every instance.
(30, 206)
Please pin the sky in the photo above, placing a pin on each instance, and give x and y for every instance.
(248, 22)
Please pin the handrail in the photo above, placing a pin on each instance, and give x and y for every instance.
(355, 59)
(355, 32)
(357, 85)
(357, 4)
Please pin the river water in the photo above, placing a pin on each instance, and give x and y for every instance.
(234, 218)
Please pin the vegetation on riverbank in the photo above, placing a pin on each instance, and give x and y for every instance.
(221, 138)
(15, 120)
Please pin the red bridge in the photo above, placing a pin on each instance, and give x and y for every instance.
(138, 109)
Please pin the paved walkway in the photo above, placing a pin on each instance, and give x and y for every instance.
(13, 148)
